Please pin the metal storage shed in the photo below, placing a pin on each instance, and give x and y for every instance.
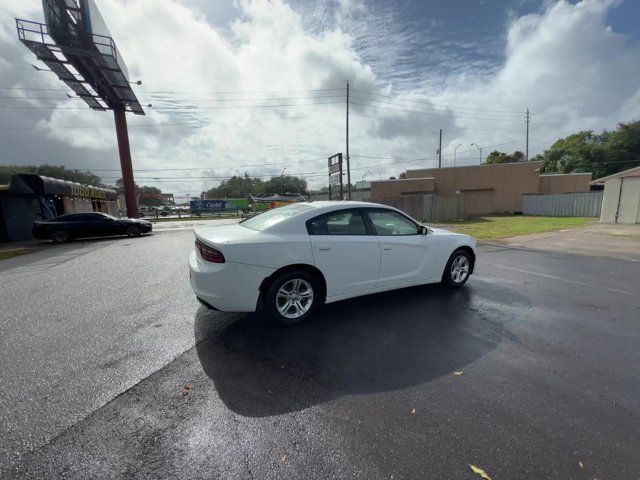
(621, 200)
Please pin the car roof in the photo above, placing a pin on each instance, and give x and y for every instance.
(326, 204)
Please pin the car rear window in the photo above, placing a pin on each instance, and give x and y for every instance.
(271, 217)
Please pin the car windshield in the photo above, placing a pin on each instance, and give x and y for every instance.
(271, 217)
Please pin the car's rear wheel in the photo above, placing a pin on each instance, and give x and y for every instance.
(134, 231)
(458, 269)
(292, 297)
(60, 236)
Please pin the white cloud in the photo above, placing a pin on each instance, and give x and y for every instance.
(564, 63)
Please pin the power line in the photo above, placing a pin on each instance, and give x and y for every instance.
(183, 91)
(178, 109)
(436, 110)
(193, 100)
(206, 168)
(435, 114)
(194, 125)
(429, 103)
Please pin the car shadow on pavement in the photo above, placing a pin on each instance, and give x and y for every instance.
(376, 343)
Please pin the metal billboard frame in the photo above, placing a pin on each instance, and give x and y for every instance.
(90, 65)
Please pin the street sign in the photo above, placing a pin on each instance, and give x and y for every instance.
(335, 175)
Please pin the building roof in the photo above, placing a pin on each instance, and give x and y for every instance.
(484, 165)
(403, 179)
(632, 172)
(564, 174)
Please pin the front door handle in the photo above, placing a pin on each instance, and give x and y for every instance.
(324, 249)
(386, 248)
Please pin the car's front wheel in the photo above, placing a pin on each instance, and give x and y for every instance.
(134, 231)
(292, 297)
(458, 269)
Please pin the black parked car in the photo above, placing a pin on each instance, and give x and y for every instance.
(79, 225)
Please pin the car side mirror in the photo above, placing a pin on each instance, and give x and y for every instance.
(423, 230)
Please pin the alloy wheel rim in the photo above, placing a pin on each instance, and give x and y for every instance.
(460, 269)
(294, 298)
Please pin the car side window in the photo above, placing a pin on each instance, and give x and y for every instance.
(340, 222)
(388, 222)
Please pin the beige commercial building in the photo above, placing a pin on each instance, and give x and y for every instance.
(621, 200)
(495, 188)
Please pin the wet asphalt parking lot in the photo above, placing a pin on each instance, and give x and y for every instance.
(110, 368)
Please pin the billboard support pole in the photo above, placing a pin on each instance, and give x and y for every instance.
(125, 163)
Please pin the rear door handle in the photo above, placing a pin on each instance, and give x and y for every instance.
(386, 248)
(324, 249)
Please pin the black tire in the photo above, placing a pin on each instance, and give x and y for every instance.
(134, 231)
(274, 303)
(450, 276)
(60, 236)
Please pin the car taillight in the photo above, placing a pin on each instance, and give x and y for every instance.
(209, 254)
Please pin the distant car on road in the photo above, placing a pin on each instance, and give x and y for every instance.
(289, 260)
(80, 225)
(154, 211)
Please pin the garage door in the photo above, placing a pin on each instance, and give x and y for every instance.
(629, 200)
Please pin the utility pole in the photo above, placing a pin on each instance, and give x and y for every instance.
(440, 151)
(526, 152)
(348, 158)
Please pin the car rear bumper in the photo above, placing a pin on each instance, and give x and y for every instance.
(229, 286)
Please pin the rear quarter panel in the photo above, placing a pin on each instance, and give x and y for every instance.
(271, 250)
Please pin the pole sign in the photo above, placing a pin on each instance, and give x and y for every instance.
(335, 176)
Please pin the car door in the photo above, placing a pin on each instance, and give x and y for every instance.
(345, 251)
(94, 225)
(76, 224)
(407, 256)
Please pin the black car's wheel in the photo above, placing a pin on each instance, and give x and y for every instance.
(134, 231)
(60, 236)
(458, 269)
(292, 297)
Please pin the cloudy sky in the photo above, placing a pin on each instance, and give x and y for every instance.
(259, 85)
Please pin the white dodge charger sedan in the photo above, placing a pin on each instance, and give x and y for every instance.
(289, 260)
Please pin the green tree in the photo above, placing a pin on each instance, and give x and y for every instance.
(237, 187)
(502, 157)
(84, 177)
(286, 184)
(602, 153)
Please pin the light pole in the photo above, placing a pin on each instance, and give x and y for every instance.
(479, 149)
(282, 180)
(455, 151)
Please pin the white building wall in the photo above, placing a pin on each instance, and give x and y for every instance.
(629, 211)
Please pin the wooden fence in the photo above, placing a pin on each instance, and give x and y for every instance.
(430, 207)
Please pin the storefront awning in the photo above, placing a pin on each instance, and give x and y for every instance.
(27, 183)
